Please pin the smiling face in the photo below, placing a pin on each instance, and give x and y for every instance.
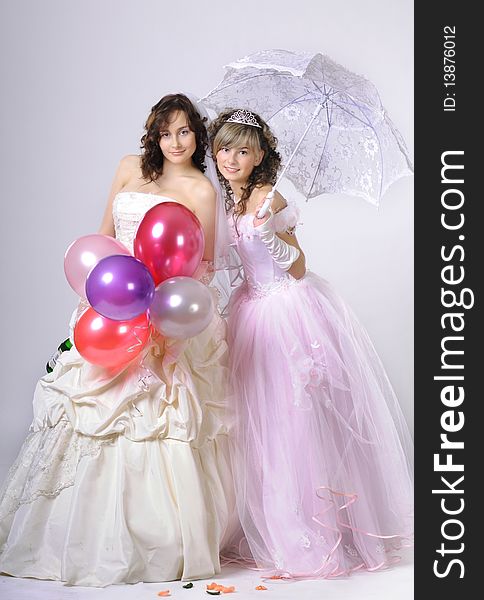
(238, 151)
(236, 163)
(177, 141)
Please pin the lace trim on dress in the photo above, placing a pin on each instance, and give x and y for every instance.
(256, 291)
(128, 210)
(287, 218)
(46, 465)
(205, 272)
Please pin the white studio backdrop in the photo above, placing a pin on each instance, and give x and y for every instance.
(78, 80)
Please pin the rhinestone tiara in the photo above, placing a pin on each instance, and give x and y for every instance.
(244, 117)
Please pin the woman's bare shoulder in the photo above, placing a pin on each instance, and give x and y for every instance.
(261, 191)
(278, 201)
(130, 163)
(202, 188)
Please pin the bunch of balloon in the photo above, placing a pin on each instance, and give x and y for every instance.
(170, 242)
(128, 295)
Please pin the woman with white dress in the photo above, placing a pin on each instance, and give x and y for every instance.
(125, 478)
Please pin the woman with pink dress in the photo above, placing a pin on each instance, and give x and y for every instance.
(321, 453)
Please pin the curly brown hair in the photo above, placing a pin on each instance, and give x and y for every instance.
(228, 135)
(152, 157)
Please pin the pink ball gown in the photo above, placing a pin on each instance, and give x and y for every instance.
(322, 456)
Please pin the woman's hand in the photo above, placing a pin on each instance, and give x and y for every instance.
(258, 221)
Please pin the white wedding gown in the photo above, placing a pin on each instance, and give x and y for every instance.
(124, 478)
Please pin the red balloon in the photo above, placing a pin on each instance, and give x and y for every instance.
(102, 341)
(169, 241)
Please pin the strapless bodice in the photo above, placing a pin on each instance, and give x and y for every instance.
(261, 272)
(128, 210)
(259, 268)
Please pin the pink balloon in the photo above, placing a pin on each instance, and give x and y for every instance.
(169, 241)
(84, 254)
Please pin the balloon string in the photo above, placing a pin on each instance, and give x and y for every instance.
(139, 342)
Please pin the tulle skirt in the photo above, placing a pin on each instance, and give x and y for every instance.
(321, 453)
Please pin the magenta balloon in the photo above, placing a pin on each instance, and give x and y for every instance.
(84, 254)
(169, 241)
(120, 287)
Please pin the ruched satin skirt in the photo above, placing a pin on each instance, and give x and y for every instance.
(125, 476)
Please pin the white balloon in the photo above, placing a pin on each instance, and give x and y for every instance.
(182, 308)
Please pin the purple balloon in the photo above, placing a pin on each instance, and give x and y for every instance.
(120, 287)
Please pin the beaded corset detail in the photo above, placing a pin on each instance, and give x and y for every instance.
(128, 210)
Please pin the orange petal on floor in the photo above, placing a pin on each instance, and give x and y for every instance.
(164, 593)
(261, 587)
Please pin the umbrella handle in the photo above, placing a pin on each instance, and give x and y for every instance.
(267, 202)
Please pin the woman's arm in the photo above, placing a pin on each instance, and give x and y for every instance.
(204, 209)
(298, 267)
(126, 169)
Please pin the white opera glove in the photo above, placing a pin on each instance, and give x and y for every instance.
(283, 254)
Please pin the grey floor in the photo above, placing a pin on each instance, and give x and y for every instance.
(395, 583)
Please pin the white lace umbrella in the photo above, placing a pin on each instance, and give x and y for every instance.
(334, 134)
